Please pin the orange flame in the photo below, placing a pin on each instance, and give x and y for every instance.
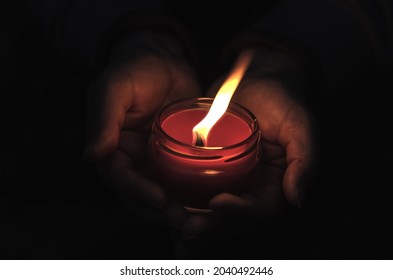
(221, 100)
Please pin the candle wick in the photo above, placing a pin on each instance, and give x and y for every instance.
(198, 140)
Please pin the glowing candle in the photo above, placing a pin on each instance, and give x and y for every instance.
(202, 147)
(193, 175)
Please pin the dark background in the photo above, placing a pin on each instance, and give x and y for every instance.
(53, 205)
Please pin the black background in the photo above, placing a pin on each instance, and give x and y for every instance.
(53, 205)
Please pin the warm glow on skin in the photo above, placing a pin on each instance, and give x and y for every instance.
(222, 99)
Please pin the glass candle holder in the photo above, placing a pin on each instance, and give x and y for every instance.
(193, 175)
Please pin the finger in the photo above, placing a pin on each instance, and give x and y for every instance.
(186, 82)
(192, 240)
(197, 226)
(273, 154)
(119, 171)
(177, 215)
(107, 104)
(189, 242)
(231, 204)
(201, 230)
(158, 82)
(134, 144)
(296, 180)
(301, 157)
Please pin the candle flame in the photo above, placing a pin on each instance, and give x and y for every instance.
(221, 100)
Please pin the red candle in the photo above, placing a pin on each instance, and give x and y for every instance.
(229, 130)
(193, 175)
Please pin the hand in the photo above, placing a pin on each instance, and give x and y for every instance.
(287, 166)
(122, 102)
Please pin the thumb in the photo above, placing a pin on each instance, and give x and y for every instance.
(103, 143)
(302, 165)
(107, 104)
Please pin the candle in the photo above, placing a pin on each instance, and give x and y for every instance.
(193, 175)
(230, 129)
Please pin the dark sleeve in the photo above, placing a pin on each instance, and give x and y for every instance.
(337, 38)
(86, 30)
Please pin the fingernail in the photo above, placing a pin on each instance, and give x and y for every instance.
(86, 153)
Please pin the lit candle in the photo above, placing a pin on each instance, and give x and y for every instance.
(202, 147)
(193, 175)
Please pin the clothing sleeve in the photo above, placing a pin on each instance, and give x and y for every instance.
(337, 38)
(86, 30)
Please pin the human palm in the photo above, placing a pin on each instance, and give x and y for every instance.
(288, 161)
(122, 103)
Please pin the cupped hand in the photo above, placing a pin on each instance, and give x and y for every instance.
(122, 102)
(288, 165)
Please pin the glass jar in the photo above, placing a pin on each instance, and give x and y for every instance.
(193, 175)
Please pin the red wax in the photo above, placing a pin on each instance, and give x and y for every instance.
(193, 175)
(228, 131)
